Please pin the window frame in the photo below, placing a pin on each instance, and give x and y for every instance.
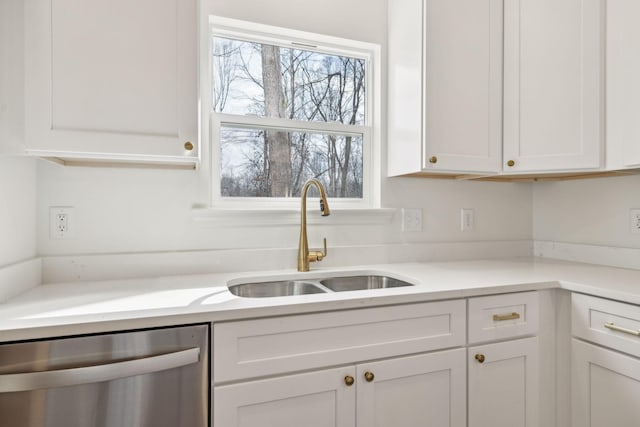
(288, 38)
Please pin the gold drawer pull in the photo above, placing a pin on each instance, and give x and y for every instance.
(510, 316)
(349, 380)
(616, 328)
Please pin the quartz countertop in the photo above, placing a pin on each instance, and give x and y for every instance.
(64, 309)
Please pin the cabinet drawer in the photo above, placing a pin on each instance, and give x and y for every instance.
(263, 347)
(503, 316)
(609, 323)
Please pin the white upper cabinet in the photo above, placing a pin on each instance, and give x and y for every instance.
(112, 80)
(553, 85)
(490, 87)
(11, 77)
(623, 88)
(445, 86)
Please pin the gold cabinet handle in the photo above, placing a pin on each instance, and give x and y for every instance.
(433, 159)
(511, 163)
(479, 357)
(349, 380)
(188, 146)
(501, 317)
(617, 328)
(369, 376)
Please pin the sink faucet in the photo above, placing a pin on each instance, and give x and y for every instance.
(304, 256)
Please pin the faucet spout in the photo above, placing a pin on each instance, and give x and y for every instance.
(304, 256)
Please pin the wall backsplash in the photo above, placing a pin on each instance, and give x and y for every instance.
(142, 210)
(590, 211)
(17, 209)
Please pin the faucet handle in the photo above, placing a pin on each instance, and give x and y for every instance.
(317, 255)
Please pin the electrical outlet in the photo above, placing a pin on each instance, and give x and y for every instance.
(467, 219)
(61, 222)
(634, 217)
(411, 219)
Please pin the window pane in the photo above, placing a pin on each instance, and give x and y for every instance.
(277, 163)
(271, 81)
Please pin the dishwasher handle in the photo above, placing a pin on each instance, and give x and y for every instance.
(97, 373)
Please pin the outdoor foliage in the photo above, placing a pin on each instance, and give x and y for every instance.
(274, 82)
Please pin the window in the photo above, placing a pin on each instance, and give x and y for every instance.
(288, 106)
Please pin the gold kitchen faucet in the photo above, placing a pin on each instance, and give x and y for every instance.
(304, 256)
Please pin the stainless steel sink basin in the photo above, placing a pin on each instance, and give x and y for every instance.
(275, 289)
(282, 288)
(358, 283)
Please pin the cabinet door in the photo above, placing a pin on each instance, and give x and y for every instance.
(605, 387)
(111, 79)
(623, 90)
(553, 84)
(463, 85)
(316, 399)
(503, 384)
(415, 391)
(445, 86)
(11, 76)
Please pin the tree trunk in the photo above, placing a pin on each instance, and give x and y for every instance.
(274, 106)
(332, 170)
(344, 173)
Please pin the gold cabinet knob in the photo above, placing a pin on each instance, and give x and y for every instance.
(511, 163)
(188, 146)
(433, 159)
(369, 376)
(349, 380)
(480, 357)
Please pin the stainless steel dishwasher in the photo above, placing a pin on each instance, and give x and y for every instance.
(150, 378)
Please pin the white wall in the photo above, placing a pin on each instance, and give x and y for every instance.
(124, 210)
(591, 211)
(120, 210)
(17, 209)
(363, 20)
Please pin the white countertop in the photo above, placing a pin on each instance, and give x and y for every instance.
(88, 307)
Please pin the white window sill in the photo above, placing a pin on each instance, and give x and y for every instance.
(209, 217)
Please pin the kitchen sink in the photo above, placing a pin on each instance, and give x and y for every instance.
(358, 283)
(283, 288)
(275, 289)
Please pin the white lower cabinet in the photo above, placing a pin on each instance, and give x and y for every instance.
(503, 377)
(427, 389)
(605, 377)
(606, 387)
(503, 384)
(424, 390)
(400, 366)
(316, 399)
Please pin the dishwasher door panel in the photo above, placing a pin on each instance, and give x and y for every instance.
(149, 378)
